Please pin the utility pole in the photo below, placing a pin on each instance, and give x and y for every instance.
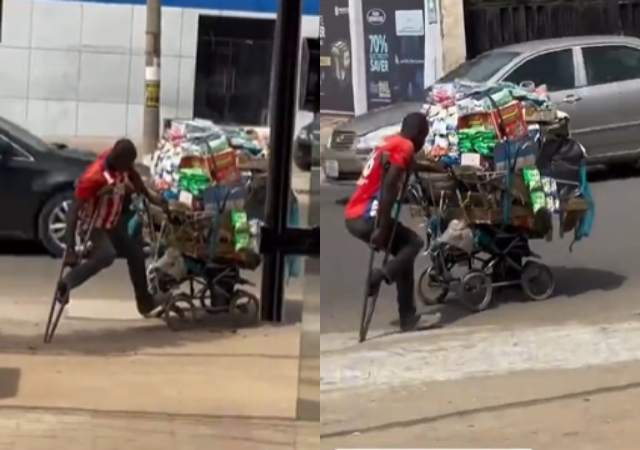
(284, 88)
(152, 52)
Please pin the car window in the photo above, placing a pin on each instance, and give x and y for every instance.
(611, 63)
(29, 139)
(480, 69)
(554, 69)
(16, 151)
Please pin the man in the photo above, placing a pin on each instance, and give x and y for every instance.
(369, 214)
(100, 193)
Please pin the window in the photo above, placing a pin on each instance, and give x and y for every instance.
(611, 63)
(554, 69)
(16, 152)
(233, 69)
(480, 69)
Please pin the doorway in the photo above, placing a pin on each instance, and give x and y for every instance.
(233, 70)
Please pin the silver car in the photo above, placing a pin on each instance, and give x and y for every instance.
(595, 79)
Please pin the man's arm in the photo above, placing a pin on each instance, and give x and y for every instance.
(393, 178)
(88, 188)
(141, 188)
(397, 164)
(72, 222)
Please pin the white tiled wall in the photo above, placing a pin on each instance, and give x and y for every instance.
(65, 72)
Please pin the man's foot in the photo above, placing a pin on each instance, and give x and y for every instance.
(62, 293)
(417, 322)
(376, 279)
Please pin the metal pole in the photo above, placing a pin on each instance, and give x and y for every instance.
(284, 86)
(152, 52)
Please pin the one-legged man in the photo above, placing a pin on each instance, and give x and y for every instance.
(376, 195)
(100, 193)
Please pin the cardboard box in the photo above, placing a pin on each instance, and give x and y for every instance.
(511, 116)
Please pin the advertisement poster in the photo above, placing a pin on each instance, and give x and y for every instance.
(394, 35)
(336, 85)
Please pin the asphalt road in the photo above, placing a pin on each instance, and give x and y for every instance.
(598, 282)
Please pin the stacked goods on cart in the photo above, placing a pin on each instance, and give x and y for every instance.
(493, 139)
(196, 168)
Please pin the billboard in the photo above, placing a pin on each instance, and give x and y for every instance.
(336, 84)
(394, 40)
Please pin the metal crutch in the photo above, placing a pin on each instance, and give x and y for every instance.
(56, 310)
(369, 302)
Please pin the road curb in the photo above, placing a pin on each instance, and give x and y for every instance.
(475, 352)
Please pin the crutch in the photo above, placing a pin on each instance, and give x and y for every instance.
(369, 302)
(55, 313)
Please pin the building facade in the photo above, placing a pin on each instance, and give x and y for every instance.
(378, 52)
(76, 68)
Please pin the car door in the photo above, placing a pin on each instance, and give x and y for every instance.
(559, 70)
(18, 201)
(610, 94)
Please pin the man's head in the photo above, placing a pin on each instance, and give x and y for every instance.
(123, 155)
(415, 128)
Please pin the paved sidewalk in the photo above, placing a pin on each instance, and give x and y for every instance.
(550, 388)
(237, 389)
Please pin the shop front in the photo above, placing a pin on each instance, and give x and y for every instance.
(376, 53)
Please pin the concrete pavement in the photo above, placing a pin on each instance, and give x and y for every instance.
(591, 409)
(240, 391)
(559, 374)
(108, 384)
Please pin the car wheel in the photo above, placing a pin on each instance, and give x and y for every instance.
(52, 223)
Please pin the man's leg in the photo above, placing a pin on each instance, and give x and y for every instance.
(361, 229)
(102, 255)
(405, 247)
(132, 250)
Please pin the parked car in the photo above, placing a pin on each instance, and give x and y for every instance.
(36, 186)
(306, 150)
(595, 79)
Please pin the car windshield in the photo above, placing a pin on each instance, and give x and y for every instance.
(30, 139)
(480, 69)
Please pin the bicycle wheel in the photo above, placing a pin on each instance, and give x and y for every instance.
(431, 289)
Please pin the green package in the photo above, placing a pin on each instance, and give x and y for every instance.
(532, 178)
(241, 230)
(194, 181)
(538, 200)
(478, 140)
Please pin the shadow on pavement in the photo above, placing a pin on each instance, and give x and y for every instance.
(98, 337)
(570, 282)
(9, 382)
(574, 281)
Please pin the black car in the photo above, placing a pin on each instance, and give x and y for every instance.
(306, 151)
(36, 186)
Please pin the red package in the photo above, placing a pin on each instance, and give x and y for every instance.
(511, 116)
(223, 167)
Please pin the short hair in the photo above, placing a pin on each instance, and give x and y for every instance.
(124, 148)
(415, 124)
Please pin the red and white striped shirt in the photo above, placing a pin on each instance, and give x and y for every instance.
(103, 190)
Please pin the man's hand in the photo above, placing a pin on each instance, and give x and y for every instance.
(380, 239)
(71, 258)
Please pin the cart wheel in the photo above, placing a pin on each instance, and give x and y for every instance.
(245, 303)
(180, 310)
(431, 289)
(475, 290)
(537, 279)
